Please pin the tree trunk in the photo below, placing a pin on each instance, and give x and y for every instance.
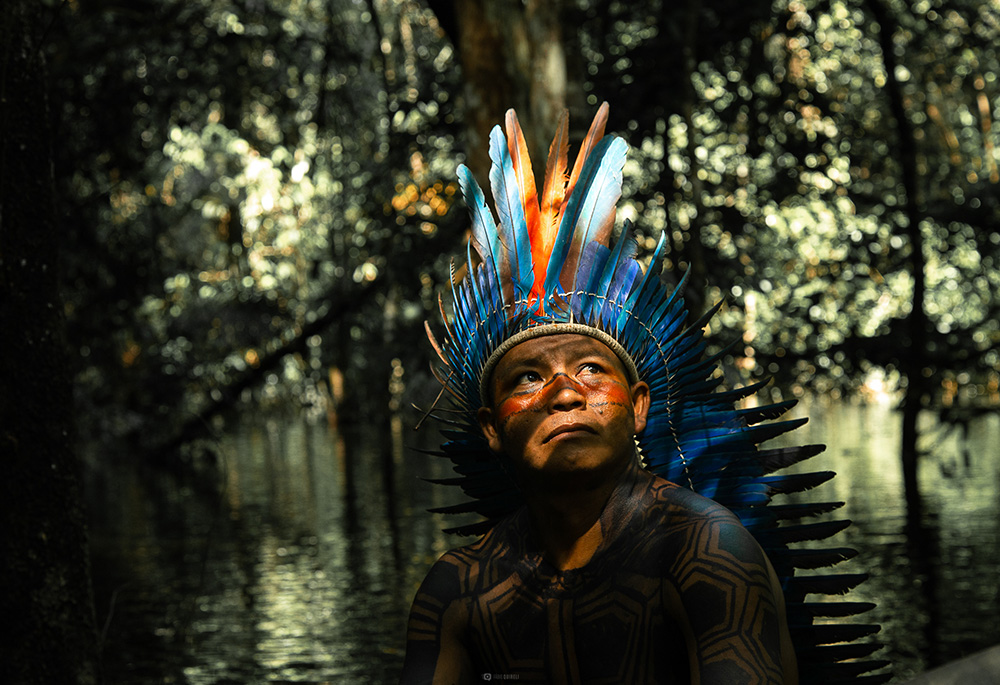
(512, 54)
(690, 248)
(47, 602)
(913, 357)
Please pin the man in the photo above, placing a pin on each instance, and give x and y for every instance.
(608, 574)
(567, 357)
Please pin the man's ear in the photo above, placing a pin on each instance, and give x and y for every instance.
(485, 418)
(640, 405)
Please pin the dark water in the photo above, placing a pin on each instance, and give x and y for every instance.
(296, 558)
(935, 580)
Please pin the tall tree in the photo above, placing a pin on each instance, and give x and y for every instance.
(905, 148)
(513, 55)
(45, 576)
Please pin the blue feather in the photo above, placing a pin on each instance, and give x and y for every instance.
(620, 273)
(514, 227)
(648, 287)
(594, 273)
(484, 229)
(592, 202)
(601, 181)
(593, 263)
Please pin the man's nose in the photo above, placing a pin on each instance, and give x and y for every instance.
(565, 394)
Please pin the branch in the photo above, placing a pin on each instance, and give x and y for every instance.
(199, 423)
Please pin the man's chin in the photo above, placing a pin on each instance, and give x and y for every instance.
(571, 470)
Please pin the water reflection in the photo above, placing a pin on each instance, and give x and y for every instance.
(933, 572)
(298, 564)
(296, 556)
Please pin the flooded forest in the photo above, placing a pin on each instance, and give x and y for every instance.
(224, 224)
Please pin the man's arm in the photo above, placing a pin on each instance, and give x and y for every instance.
(731, 607)
(435, 650)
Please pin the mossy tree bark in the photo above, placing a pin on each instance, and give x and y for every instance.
(914, 357)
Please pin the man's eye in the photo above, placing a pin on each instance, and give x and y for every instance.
(528, 377)
(591, 367)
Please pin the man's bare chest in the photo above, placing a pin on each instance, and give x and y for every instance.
(609, 626)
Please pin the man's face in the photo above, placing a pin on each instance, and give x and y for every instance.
(562, 404)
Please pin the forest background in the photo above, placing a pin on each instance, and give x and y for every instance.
(210, 204)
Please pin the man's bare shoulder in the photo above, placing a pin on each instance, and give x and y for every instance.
(700, 524)
(464, 570)
(675, 500)
(719, 584)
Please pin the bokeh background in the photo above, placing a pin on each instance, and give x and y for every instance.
(225, 223)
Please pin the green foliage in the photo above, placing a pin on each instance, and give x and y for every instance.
(241, 180)
(233, 171)
(776, 165)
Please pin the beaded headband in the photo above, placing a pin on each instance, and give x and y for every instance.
(553, 329)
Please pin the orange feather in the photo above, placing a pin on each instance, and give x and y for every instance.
(553, 192)
(552, 200)
(521, 161)
(594, 135)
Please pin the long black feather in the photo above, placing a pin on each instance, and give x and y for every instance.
(825, 585)
(833, 633)
(797, 482)
(818, 558)
(778, 458)
(833, 653)
(792, 512)
(836, 609)
(801, 532)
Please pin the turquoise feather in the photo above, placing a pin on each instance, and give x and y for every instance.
(485, 238)
(514, 227)
(588, 209)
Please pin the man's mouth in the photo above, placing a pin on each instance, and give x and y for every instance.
(567, 429)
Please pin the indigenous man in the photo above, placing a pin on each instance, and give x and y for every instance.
(603, 572)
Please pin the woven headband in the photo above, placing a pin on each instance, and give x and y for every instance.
(553, 329)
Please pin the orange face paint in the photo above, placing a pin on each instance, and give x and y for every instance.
(561, 401)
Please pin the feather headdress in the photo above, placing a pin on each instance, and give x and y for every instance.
(548, 266)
